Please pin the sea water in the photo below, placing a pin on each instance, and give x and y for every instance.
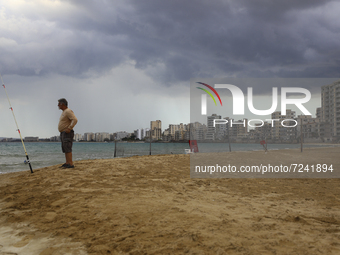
(42, 154)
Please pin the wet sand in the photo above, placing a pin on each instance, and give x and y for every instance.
(150, 205)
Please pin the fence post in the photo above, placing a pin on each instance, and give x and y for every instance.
(150, 143)
(115, 153)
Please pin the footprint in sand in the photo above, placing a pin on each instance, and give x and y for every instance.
(23, 242)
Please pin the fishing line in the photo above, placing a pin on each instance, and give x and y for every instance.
(22, 141)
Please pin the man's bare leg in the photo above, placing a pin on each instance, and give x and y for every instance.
(68, 156)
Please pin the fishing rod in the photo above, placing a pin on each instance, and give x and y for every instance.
(22, 141)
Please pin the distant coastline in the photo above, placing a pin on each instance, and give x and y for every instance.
(182, 141)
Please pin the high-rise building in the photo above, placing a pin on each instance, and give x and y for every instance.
(178, 132)
(237, 129)
(156, 129)
(211, 132)
(278, 131)
(310, 126)
(263, 131)
(330, 110)
(102, 136)
(318, 112)
(89, 136)
(78, 137)
(197, 131)
(139, 133)
(172, 131)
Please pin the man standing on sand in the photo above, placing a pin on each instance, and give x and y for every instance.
(66, 123)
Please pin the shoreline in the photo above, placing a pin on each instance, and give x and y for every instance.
(259, 149)
(202, 141)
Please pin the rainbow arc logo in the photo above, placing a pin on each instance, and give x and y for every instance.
(209, 93)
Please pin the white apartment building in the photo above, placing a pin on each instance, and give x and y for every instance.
(102, 136)
(140, 133)
(78, 137)
(89, 136)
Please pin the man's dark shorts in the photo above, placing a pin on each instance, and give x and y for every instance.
(66, 141)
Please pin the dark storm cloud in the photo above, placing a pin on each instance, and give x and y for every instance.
(177, 40)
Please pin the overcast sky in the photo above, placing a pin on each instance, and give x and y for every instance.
(121, 64)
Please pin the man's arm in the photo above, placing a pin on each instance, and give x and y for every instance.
(73, 119)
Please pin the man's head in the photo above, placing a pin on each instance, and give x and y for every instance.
(62, 104)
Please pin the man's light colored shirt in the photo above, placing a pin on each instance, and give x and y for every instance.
(67, 120)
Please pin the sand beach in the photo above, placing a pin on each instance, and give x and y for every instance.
(150, 205)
